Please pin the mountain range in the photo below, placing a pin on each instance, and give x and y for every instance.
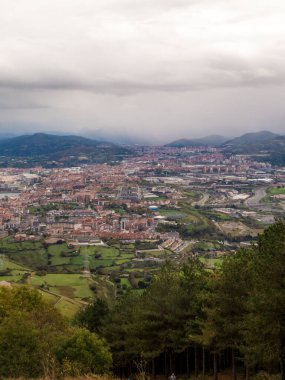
(213, 140)
(54, 150)
(251, 138)
(263, 145)
(45, 149)
(220, 141)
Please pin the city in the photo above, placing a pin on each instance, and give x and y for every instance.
(114, 225)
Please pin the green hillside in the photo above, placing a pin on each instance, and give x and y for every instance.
(51, 150)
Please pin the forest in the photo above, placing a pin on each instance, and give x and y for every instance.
(190, 320)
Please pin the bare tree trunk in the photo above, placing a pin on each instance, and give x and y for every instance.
(171, 362)
(223, 360)
(246, 372)
(234, 372)
(165, 364)
(215, 366)
(196, 360)
(282, 359)
(187, 362)
(204, 362)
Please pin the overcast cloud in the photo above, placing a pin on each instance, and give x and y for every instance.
(156, 69)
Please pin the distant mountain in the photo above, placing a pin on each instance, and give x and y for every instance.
(251, 138)
(5, 136)
(265, 146)
(213, 140)
(45, 149)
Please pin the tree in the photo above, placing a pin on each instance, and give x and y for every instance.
(264, 327)
(227, 305)
(159, 322)
(193, 282)
(21, 298)
(245, 309)
(30, 330)
(20, 348)
(93, 316)
(168, 312)
(121, 331)
(84, 352)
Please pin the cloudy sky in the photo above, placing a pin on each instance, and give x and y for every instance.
(153, 69)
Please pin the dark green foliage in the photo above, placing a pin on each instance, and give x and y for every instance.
(236, 312)
(265, 323)
(93, 316)
(246, 306)
(158, 321)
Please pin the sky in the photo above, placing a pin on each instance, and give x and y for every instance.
(151, 70)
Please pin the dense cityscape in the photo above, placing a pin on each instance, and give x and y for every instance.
(162, 203)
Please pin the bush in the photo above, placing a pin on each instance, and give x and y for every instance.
(29, 333)
(84, 352)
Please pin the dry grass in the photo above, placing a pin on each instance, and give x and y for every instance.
(85, 377)
(222, 376)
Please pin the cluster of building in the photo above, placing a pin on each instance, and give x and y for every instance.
(122, 201)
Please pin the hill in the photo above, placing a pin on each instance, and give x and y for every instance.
(53, 150)
(214, 140)
(265, 145)
(251, 138)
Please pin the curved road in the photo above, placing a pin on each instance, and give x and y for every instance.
(256, 198)
(202, 201)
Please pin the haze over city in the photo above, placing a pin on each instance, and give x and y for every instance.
(150, 70)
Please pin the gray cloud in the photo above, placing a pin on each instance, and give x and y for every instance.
(74, 65)
(220, 71)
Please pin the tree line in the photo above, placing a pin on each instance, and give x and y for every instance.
(194, 320)
(190, 320)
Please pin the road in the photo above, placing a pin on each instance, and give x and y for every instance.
(256, 198)
(202, 201)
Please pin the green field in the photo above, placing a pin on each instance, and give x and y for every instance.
(28, 253)
(172, 213)
(126, 282)
(11, 265)
(13, 277)
(69, 285)
(207, 245)
(211, 262)
(105, 252)
(56, 269)
(276, 190)
(67, 307)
